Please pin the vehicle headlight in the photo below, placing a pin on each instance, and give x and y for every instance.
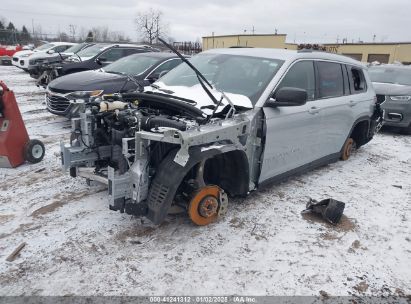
(400, 98)
(84, 94)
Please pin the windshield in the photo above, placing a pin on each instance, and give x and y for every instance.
(92, 50)
(75, 48)
(44, 47)
(132, 65)
(235, 74)
(390, 75)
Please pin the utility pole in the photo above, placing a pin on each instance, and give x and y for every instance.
(253, 30)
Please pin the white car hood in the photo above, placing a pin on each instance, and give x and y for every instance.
(21, 53)
(197, 94)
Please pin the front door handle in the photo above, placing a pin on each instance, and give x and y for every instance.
(353, 103)
(314, 110)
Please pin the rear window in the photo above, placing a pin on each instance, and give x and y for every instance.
(330, 79)
(357, 80)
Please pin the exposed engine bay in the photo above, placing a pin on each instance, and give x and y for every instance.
(151, 151)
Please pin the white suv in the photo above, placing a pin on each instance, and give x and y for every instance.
(227, 122)
(21, 58)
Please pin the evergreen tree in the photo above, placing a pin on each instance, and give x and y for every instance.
(24, 35)
(11, 26)
(90, 37)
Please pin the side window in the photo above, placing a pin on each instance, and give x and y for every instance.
(300, 75)
(330, 79)
(60, 48)
(357, 80)
(112, 54)
(167, 66)
(131, 51)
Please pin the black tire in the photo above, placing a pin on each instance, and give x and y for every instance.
(34, 151)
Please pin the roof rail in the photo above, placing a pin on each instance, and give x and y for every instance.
(308, 48)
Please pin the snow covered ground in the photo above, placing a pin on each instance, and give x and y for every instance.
(263, 246)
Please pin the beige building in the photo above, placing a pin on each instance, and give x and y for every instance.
(264, 41)
(386, 52)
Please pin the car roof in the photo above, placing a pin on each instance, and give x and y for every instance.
(62, 43)
(107, 45)
(286, 55)
(391, 67)
(164, 55)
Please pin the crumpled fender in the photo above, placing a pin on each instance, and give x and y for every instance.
(170, 174)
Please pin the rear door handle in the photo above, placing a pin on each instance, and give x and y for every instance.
(353, 103)
(314, 110)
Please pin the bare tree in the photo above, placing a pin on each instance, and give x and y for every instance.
(150, 25)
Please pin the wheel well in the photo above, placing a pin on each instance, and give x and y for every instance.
(360, 133)
(230, 171)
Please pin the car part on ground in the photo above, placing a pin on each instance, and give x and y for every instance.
(91, 58)
(241, 119)
(127, 74)
(330, 209)
(15, 145)
(392, 84)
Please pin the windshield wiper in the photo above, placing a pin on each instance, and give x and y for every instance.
(116, 73)
(157, 87)
(140, 87)
(200, 76)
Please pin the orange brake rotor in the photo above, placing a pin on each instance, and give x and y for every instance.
(347, 149)
(203, 207)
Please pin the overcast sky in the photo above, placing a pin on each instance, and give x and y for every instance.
(302, 20)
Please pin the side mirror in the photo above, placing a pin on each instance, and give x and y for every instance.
(51, 51)
(288, 97)
(163, 73)
(101, 60)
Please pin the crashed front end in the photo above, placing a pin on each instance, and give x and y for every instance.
(151, 150)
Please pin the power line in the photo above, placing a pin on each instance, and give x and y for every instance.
(63, 15)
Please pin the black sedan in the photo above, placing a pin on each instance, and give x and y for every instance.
(127, 74)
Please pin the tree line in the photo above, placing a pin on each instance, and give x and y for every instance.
(9, 34)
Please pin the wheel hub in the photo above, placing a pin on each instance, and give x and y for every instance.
(208, 206)
(204, 205)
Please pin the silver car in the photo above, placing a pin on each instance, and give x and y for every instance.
(392, 83)
(223, 124)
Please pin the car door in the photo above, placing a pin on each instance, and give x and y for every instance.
(336, 105)
(292, 132)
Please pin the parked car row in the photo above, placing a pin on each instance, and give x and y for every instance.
(100, 69)
(127, 74)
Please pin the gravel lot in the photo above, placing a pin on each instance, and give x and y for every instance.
(263, 246)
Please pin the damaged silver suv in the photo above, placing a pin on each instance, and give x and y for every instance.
(222, 124)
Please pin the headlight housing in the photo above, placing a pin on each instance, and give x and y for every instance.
(400, 98)
(84, 94)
